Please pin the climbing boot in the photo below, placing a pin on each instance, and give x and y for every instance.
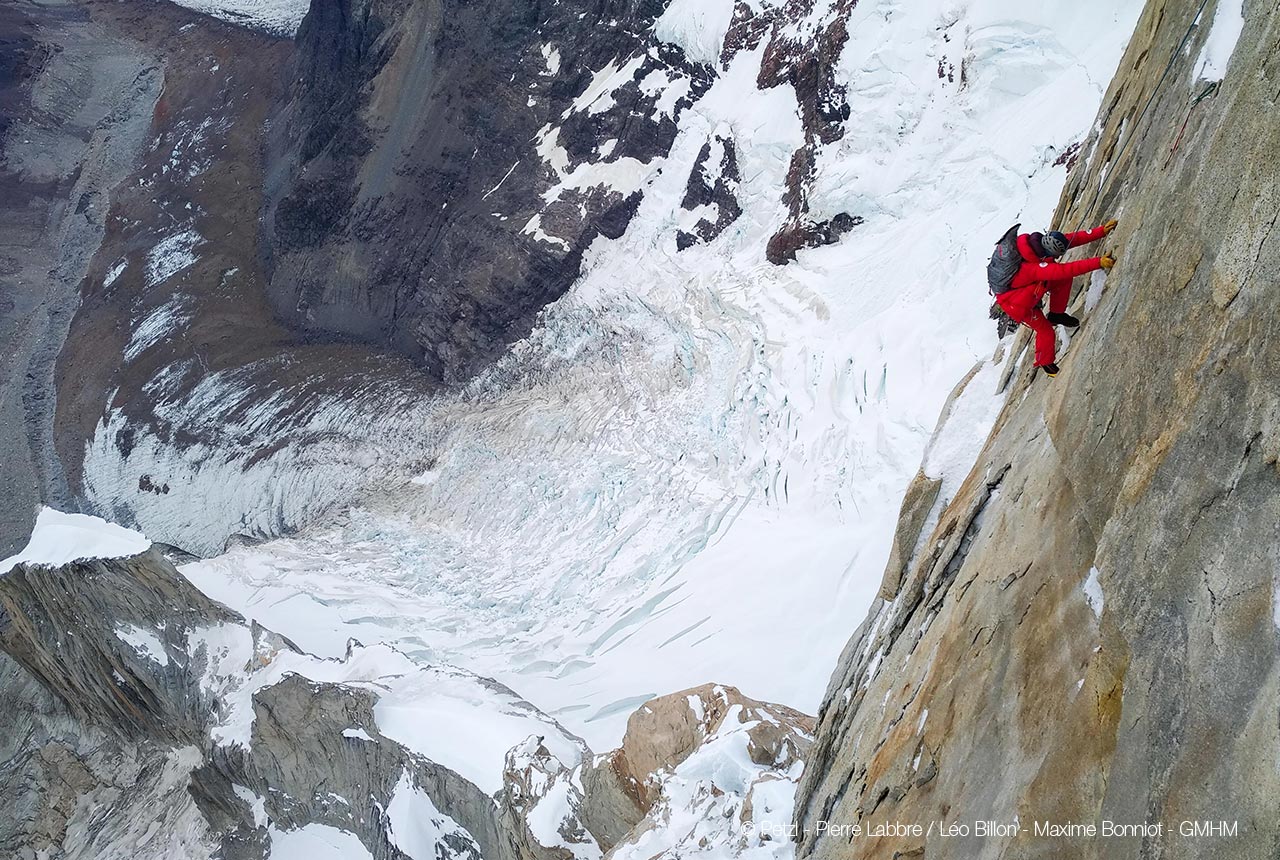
(1063, 319)
(1049, 369)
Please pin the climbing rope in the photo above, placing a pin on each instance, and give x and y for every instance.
(1173, 58)
(1208, 91)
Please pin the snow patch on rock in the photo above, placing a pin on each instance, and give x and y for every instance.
(171, 255)
(60, 538)
(963, 429)
(1093, 592)
(697, 27)
(145, 642)
(257, 804)
(447, 715)
(114, 272)
(1097, 283)
(317, 842)
(419, 829)
(1220, 44)
(158, 325)
(459, 721)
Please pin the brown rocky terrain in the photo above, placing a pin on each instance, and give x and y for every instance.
(170, 330)
(1089, 634)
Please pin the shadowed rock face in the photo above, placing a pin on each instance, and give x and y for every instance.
(1090, 632)
(420, 141)
(175, 367)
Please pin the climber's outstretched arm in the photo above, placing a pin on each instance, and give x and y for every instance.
(1055, 271)
(1084, 237)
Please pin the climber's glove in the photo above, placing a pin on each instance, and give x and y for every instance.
(1109, 226)
(1107, 260)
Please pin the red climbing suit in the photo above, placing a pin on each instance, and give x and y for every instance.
(1039, 276)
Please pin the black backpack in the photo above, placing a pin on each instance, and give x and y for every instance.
(1005, 262)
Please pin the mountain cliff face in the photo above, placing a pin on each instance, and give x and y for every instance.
(182, 403)
(446, 165)
(1086, 630)
(74, 114)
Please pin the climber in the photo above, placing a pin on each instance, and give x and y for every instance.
(1035, 273)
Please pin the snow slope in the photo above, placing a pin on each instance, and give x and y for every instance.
(1228, 24)
(691, 470)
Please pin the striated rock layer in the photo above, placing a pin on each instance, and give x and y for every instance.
(1089, 634)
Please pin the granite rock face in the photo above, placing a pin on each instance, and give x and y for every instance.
(1089, 633)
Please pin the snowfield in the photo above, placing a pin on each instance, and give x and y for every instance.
(692, 469)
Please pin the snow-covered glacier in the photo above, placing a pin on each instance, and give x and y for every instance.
(691, 469)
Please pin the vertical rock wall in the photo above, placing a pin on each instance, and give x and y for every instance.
(1089, 634)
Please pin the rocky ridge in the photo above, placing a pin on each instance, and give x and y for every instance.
(144, 719)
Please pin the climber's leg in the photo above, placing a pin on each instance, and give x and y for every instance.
(1059, 295)
(1046, 338)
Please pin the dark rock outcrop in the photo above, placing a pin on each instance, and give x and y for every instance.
(422, 202)
(1089, 634)
(808, 64)
(713, 185)
(801, 234)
